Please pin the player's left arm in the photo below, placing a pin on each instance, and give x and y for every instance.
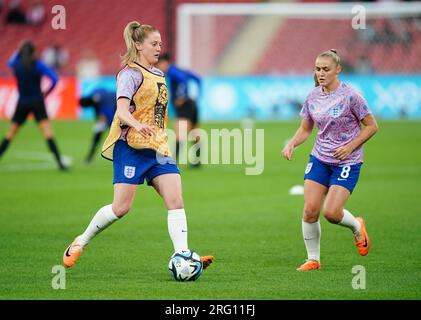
(50, 73)
(370, 128)
(13, 59)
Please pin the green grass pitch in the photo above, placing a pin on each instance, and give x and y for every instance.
(250, 223)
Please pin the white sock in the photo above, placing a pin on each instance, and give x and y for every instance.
(350, 222)
(102, 219)
(311, 235)
(177, 228)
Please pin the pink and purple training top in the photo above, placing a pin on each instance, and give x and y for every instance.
(337, 115)
(128, 82)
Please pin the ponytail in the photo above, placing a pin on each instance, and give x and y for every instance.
(316, 82)
(134, 32)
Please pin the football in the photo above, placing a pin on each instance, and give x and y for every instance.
(185, 266)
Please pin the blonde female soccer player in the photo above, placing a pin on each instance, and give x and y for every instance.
(333, 170)
(137, 143)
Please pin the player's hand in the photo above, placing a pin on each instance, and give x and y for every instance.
(145, 130)
(343, 152)
(288, 151)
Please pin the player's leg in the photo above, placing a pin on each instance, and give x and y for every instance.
(18, 119)
(335, 212)
(333, 208)
(195, 134)
(124, 195)
(99, 127)
(194, 131)
(316, 177)
(10, 134)
(47, 131)
(169, 188)
(314, 194)
(181, 128)
(342, 183)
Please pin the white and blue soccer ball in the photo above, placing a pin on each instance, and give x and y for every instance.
(185, 265)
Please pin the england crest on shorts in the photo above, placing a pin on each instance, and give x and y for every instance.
(308, 168)
(129, 172)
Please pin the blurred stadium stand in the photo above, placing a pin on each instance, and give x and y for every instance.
(397, 50)
(274, 44)
(98, 26)
(90, 25)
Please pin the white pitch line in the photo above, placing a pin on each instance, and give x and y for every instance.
(41, 161)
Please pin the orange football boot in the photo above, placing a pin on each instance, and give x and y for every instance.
(72, 253)
(309, 265)
(206, 261)
(361, 240)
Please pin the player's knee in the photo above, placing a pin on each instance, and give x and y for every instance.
(332, 215)
(174, 202)
(121, 209)
(311, 213)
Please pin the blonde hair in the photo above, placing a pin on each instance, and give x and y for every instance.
(134, 32)
(333, 54)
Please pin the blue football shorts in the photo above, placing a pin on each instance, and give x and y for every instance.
(133, 166)
(328, 175)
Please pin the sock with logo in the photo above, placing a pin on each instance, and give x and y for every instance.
(102, 219)
(350, 222)
(177, 228)
(311, 235)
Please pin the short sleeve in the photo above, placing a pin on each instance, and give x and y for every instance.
(128, 82)
(359, 106)
(305, 113)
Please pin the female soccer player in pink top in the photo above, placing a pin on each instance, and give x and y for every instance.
(332, 172)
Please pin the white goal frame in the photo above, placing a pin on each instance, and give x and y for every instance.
(185, 12)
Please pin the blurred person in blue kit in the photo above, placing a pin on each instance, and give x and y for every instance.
(28, 71)
(184, 102)
(104, 103)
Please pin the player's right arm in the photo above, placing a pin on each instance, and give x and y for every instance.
(303, 132)
(13, 59)
(128, 82)
(123, 113)
(48, 72)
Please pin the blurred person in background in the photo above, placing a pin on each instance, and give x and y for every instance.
(15, 15)
(104, 103)
(187, 114)
(55, 56)
(29, 71)
(363, 65)
(36, 13)
(89, 66)
(333, 170)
